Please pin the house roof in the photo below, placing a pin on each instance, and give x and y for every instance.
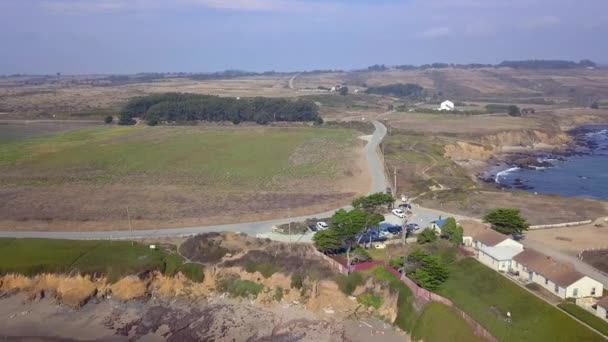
(439, 222)
(558, 272)
(472, 228)
(490, 237)
(603, 302)
(501, 253)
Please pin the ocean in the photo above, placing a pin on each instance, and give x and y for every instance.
(581, 174)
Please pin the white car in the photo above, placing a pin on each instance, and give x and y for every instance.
(399, 213)
(322, 225)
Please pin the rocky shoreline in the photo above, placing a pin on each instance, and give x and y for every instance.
(580, 145)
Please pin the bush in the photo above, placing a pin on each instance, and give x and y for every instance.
(406, 313)
(595, 105)
(426, 236)
(108, 119)
(369, 299)
(426, 270)
(152, 122)
(278, 293)
(237, 287)
(194, 272)
(172, 264)
(348, 284)
(266, 269)
(514, 111)
(296, 281)
(396, 263)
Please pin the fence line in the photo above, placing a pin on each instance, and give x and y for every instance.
(560, 225)
(419, 292)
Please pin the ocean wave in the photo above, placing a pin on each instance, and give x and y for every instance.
(504, 173)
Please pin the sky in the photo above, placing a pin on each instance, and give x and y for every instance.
(130, 36)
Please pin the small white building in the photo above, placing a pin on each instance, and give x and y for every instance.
(557, 277)
(602, 308)
(446, 105)
(492, 248)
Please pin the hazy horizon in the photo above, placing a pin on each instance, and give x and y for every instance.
(133, 36)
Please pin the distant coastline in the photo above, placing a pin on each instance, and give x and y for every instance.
(581, 170)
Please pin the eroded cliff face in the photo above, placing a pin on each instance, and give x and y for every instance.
(488, 146)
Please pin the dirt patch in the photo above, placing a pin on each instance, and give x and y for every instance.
(537, 209)
(597, 259)
(573, 240)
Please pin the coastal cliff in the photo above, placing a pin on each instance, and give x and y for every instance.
(478, 151)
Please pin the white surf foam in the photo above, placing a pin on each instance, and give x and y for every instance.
(504, 173)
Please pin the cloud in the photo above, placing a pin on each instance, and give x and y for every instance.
(541, 22)
(105, 6)
(435, 32)
(480, 29)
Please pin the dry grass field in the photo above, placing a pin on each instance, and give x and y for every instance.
(176, 176)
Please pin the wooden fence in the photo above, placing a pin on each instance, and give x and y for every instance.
(420, 293)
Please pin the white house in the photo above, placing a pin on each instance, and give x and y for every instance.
(493, 249)
(559, 278)
(602, 308)
(446, 105)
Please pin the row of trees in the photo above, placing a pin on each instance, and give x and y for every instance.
(399, 89)
(178, 107)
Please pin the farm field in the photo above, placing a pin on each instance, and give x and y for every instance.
(168, 176)
(487, 297)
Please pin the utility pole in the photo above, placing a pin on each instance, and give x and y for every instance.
(289, 214)
(395, 188)
(130, 227)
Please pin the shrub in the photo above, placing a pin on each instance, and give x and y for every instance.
(108, 119)
(369, 299)
(237, 287)
(194, 272)
(172, 264)
(296, 281)
(266, 269)
(152, 122)
(426, 236)
(396, 263)
(348, 284)
(278, 293)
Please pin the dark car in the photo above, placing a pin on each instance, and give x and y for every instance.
(312, 227)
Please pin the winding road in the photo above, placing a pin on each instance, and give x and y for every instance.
(252, 228)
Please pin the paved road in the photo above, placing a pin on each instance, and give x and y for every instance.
(253, 228)
(291, 81)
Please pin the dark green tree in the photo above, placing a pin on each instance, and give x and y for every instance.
(426, 236)
(513, 110)
(349, 224)
(327, 241)
(426, 270)
(506, 221)
(452, 231)
(374, 202)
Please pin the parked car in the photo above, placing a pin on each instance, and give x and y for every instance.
(394, 230)
(413, 226)
(312, 227)
(399, 213)
(322, 225)
(405, 206)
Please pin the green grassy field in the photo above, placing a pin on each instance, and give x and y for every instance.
(219, 157)
(439, 323)
(113, 259)
(586, 316)
(487, 297)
